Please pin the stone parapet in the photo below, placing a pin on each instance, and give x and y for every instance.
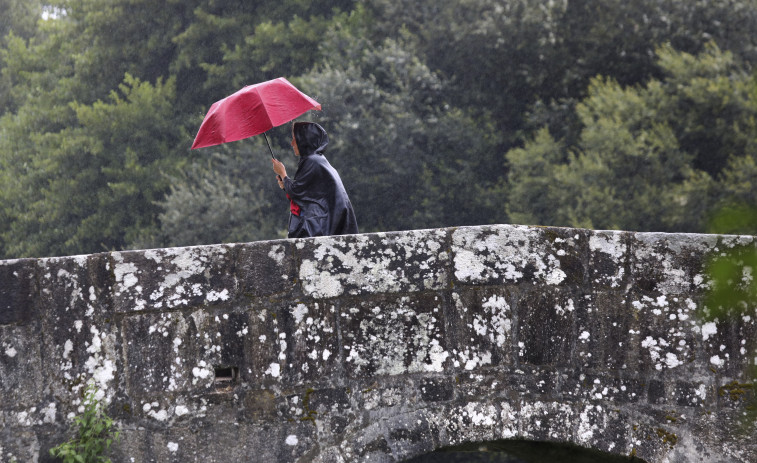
(380, 347)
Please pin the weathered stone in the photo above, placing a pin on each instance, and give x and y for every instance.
(18, 290)
(667, 332)
(608, 332)
(79, 335)
(687, 394)
(172, 278)
(18, 446)
(219, 443)
(500, 254)
(598, 387)
(546, 327)
(259, 405)
(481, 326)
(436, 390)
(306, 336)
(381, 347)
(476, 422)
(539, 421)
(22, 377)
(410, 435)
(602, 428)
(393, 336)
(669, 264)
(266, 268)
(609, 259)
(376, 263)
(656, 392)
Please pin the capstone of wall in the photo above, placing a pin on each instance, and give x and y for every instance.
(380, 347)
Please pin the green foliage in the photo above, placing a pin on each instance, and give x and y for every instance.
(613, 114)
(95, 432)
(224, 200)
(732, 291)
(654, 157)
(732, 288)
(533, 190)
(20, 17)
(407, 156)
(92, 185)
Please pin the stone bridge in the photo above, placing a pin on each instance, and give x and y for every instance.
(380, 347)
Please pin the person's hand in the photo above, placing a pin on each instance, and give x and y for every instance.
(279, 168)
(281, 182)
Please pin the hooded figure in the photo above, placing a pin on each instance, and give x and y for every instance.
(319, 204)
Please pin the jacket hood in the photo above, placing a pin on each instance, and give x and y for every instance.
(311, 138)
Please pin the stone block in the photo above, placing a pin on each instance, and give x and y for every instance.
(653, 441)
(369, 444)
(498, 254)
(80, 336)
(577, 385)
(164, 279)
(22, 377)
(376, 394)
(437, 389)
(656, 392)
(693, 394)
(259, 405)
(218, 443)
(472, 420)
(590, 319)
(266, 268)
(608, 257)
(602, 428)
(18, 290)
(306, 343)
(163, 352)
(620, 332)
(410, 435)
(736, 393)
(669, 264)
(389, 335)
(729, 343)
(481, 327)
(546, 327)
(547, 421)
(375, 263)
(667, 333)
(528, 381)
(18, 445)
(172, 352)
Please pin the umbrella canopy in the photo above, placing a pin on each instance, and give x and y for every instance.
(252, 111)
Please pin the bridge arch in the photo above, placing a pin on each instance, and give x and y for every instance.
(520, 451)
(380, 347)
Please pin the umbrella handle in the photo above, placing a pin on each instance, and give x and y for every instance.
(269, 145)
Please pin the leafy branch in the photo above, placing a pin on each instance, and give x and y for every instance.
(95, 433)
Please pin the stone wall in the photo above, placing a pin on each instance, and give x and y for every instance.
(379, 347)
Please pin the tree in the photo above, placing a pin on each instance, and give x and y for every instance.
(19, 17)
(421, 98)
(634, 166)
(96, 185)
(231, 197)
(407, 155)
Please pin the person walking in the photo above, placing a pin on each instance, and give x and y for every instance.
(319, 205)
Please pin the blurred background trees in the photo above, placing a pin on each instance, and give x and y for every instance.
(593, 113)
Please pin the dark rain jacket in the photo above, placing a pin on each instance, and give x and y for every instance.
(320, 203)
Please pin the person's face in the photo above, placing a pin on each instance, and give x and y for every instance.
(294, 145)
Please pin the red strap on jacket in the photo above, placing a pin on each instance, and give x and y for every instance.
(293, 206)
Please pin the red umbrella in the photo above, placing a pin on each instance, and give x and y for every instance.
(252, 111)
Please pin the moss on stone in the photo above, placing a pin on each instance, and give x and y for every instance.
(667, 437)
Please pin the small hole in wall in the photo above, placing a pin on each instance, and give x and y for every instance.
(225, 375)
